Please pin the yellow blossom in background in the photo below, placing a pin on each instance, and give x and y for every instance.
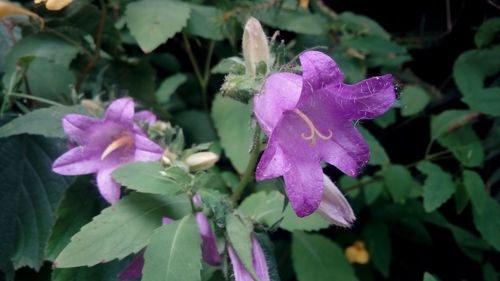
(10, 9)
(304, 3)
(357, 253)
(54, 5)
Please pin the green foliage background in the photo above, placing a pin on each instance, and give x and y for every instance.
(427, 203)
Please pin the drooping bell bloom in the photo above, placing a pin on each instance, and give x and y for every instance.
(105, 144)
(333, 206)
(259, 263)
(309, 118)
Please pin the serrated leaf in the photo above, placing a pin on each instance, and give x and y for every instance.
(239, 233)
(317, 258)
(80, 204)
(205, 21)
(438, 186)
(398, 181)
(147, 177)
(45, 121)
(121, 229)
(486, 210)
(29, 195)
(174, 252)
(152, 23)
(414, 99)
(232, 121)
(169, 86)
(312, 222)
(487, 32)
(378, 156)
(263, 207)
(379, 246)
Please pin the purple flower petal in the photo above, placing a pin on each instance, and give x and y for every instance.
(272, 164)
(80, 160)
(145, 116)
(259, 263)
(318, 71)
(334, 207)
(134, 269)
(76, 126)
(166, 220)
(239, 270)
(146, 150)
(281, 93)
(108, 188)
(121, 111)
(208, 241)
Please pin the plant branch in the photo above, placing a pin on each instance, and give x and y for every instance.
(35, 98)
(98, 41)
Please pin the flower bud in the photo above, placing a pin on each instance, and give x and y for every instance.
(168, 157)
(255, 46)
(201, 160)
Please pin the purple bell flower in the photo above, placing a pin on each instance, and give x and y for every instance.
(308, 119)
(259, 263)
(105, 144)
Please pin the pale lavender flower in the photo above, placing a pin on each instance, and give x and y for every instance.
(259, 263)
(105, 144)
(333, 206)
(308, 119)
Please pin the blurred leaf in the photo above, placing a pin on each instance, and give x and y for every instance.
(45, 121)
(294, 21)
(372, 191)
(29, 195)
(438, 186)
(353, 68)
(312, 222)
(99, 272)
(227, 65)
(429, 277)
(49, 80)
(489, 273)
(196, 125)
(134, 79)
(362, 25)
(174, 252)
(80, 204)
(205, 21)
(465, 146)
(169, 86)
(152, 23)
(317, 258)
(373, 45)
(487, 32)
(165, 61)
(379, 246)
(378, 156)
(398, 181)
(232, 120)
(147, 177)
(442, 123)
(414, 100)
(217, 203)
(263, 207)
(471, 245)
(121, 229)
(239, 233)
(461, 197)
(387, 119)
(486, 210)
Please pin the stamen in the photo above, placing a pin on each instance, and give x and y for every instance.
(125, 140)
(313, 130)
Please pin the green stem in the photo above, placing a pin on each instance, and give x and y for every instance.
(25, 96)
(249, 171)
(12, 83)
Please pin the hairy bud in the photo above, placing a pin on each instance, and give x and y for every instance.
(255, 46)
(201, 160)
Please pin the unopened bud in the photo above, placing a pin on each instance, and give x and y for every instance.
(201, 160)
(255, 46)
(168, 157)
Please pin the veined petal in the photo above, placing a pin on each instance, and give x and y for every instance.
(146, 149)
(133, 270)
(334, 207)
(318, 70)
(259, 261)
(239, 270)
(121, 111)
(281, 93)
(273, 163)
(365, 100)
(76, 126)
(145, 116)
(208, 242)
(108, 188)
(78, 161)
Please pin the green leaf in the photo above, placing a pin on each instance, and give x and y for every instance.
(372, 191)
(229, 65)
(465, 146)
(398, 181)
(429, 277)
(378, 156)
(137, 79)
(468, 242)
(49, 80)
(196, 125)
(263, 207)
(45, 121)
(362, 25)
(312, 222)
(379, 246)
(99, 272)
(489, 273)
(461, 197)
(232, 121)
(205, 21)
(438, 186)
(317, 258)
(387, 119)
(294, 21)
(373, 45)
(485, 209)
(353, 68)
(169, 86)
(174, 252)
(414, 99)
(152, 23)
(487, 32)
(239, 232)
(442, 123)
(29, 195)
(80, 204)
(148, 177)
(121, 229)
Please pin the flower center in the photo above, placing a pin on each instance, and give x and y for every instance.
(119, 142)
(313, 130)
